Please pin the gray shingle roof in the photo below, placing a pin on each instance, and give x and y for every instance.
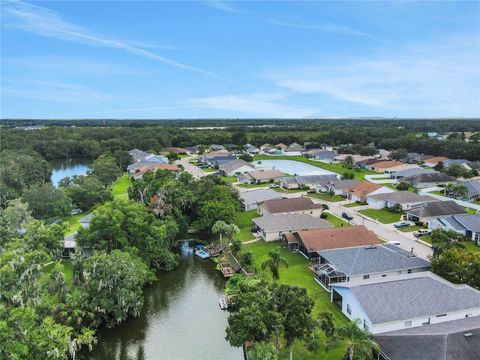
(258, 196)
(372, 259)
(443, 341)
(233, 165)
(436, 208)
(473, 187)
(402, 197)
(429, 177)
(291, 221)
(310, 179)
(412, 296)
(469, 221)
(411, 172)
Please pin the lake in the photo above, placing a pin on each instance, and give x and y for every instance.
(292, 167)
(181, 319)
(68, 167)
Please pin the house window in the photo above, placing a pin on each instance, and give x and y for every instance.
(384, 275)
(409, 271)
(408, 323)
(365, 325)
(349, 309)
(366, 276)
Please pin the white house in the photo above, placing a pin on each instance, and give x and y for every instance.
(364, 189)
(465, 224)
(405, 199)
(236, 167)
(412, 300)
(250, 199)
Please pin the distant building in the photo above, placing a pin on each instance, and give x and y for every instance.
(466, 224)
(364, 189)
(235, 167)
(250, 199)
(426, 180)
(404, 199)
(261, 176)
(425, 211)
(300, 205)
(311, 181)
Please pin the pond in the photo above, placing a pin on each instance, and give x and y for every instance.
(68, 167)
(292, 167)
(181, 319)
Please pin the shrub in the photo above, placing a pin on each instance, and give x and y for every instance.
(325, 206)
(323, 215)
(419, 223)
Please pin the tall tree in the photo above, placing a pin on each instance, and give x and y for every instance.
(86, 191)
(360, 344)
(459, 266)
(273, 263)
(443, 240)
(105, 168)
(349, 163)
(46, 201)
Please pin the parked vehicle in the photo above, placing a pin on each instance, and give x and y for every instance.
(394, 242)
(273, 186)
(346, 216)
(401, 224)
(76, 211)
(421, 232)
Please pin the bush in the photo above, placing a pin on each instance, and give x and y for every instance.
(246, 258)
(403, 186)
(325, 206)
(323, 215)
(419, 223)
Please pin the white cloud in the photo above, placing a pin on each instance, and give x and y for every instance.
(257, 104)
(45, 22)
(327, 27)
(441, 79)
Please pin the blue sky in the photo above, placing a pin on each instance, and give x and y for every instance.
(179, 59)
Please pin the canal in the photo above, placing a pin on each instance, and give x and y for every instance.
(181, 319)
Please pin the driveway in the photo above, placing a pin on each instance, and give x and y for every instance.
(192, 169)
(384, 231)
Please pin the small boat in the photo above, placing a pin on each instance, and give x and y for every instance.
(223, 303)
(202, 254)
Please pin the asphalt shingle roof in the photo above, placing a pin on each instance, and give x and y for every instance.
(402, 197)
(436, 208)
(289, 222)
(289, 205)
(372, 259)
(413, 296)
(258, 196)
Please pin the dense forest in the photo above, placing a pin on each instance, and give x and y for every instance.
(90, 138)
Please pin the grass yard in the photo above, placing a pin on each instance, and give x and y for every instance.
(337, 168)
(72, 222)
(244, 223)
(67, 269)
(336, 221)
(327, 197)
(288, 191)
(470, 211)
(381, 215)
(229, 179)
(354, 204)
(120, 187)
(411, 228)
(471, 246)
(436, 192)
(209, 170)
(252, 186)
(299, 274)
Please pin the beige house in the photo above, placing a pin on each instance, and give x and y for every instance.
(261, 176)
(300, 205)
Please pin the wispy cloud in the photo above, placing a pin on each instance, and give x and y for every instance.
(440, 79)
(256, 104)
(327, 27)
(45, 22)
(223, 6)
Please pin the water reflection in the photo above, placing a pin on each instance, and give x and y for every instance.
(68, 167)
(181, 319)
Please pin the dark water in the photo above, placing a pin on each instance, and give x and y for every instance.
(180, 320)
(68, 167)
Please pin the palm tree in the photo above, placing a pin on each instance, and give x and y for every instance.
(274, 263)
(360, 344)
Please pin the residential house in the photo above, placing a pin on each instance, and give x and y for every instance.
(338, 187)
(294, 149)
(399, 175)
(450, 340)
(177, 150)
(364, 189)
(473, 187)
(310, 181)
(462, 162)
(424, 212)
(356, 158)
(426, 180)
(235, 167)
(281, 146)
(366, 163)
(192, 149)
(406, 301)
(252, 149)
(266, 146)
(324, 146)
(365, 262)
(466, 224)
(310, 242)
(249, 200)
(261, 176)
(383, 154)
(138, 155)
(154, 167)
(300, 205)
(404, 199)
(325, 156)
(385, 165)
(216, 147)
(403, 167)
(435, 160)
(146, 161)
(212, 159)
(273, 227)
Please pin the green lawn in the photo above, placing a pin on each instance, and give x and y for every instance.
(244, 223)
(251, 186)
(209, 170)
(67, 269)
(291, 191)
(470, 245)
(354, 204)
(384, 216)
(120, 187)
(299, 274)
(337, 168)
(72, 222)
(327, 197)
(436, 192)
(336, 221)
(411, 228)
(229, 179)
(470, 211)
